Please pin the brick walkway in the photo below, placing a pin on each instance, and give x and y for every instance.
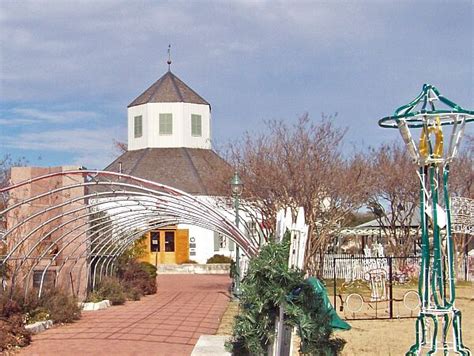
(168, 323)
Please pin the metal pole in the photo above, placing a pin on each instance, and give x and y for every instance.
(281, 327)
(334, 279)
(237, 249)
(390, 276)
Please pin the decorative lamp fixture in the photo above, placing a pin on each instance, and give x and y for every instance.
(438, 325)
(236, 185)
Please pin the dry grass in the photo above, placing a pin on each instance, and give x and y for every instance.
(394, 337)
(227, 321)
(383, 337)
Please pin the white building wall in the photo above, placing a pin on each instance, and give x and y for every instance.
(204, 244)
(181, 136)
(121, 211)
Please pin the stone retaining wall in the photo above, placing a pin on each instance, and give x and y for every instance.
(39, 326)
(194, 268)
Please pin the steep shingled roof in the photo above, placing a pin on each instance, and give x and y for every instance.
(193, 170)
(169, 89)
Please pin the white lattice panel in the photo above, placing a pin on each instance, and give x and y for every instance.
(462, 215)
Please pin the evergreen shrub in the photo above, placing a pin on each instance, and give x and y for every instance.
(268, 284)
(149, 268)
(16, 310)
(59, 306)
(219, 259)
(188, 261)
(13, 333)
(138, 276)
(109, 288)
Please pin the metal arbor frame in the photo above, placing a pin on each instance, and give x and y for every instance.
(433, 160)
(89, 218)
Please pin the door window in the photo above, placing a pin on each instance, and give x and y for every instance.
(169, 241)
(155, 241)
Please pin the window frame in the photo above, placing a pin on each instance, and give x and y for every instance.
(135, 126)
(155, 236)
(170, 244)
(162, 125)
(193, 126)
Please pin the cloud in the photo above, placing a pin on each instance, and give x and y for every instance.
(60, 140)
(88, 147)
(98, 42)
(16, 122)
(252, 60)
(23, 116)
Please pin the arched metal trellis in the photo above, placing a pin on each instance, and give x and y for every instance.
(68, 227)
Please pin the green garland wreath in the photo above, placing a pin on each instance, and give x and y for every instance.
(269, 283)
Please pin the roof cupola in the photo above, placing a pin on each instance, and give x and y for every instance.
(169, 114)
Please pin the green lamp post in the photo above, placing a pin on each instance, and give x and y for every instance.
(236, 186)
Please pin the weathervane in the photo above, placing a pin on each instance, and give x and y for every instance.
(436, 284)
(169, 58)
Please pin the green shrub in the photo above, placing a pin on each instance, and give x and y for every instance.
(268, 283)
(62, 307)
(134, 275)
(94, 297)
(219, 259)
(148, 267)
(136, 278)
(12, 324)
(16, 309)
(54, 304)
(133, 294)
(13, 333)
(38, 314)
(8, 306)
(188, 261)
(110, 288)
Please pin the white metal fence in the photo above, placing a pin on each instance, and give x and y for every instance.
(353, 267)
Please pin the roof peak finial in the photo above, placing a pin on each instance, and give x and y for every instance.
(169, 58)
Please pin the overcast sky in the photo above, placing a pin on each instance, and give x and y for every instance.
(69, 69)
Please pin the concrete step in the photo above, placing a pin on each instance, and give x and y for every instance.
(211, 345)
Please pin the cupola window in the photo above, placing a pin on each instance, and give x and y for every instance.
(166, 124)
(196, 125)
(138, 126)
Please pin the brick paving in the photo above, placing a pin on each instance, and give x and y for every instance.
(166, 324)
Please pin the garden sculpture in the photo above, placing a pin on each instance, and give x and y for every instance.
(433, 156)
(376, 271)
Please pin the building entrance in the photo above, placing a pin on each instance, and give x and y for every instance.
(167, 246)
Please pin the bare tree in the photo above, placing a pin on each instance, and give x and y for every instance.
(461, 185)
(462, 176)
(302, 165)
(394, 198)
(6, 162)
(119, 146)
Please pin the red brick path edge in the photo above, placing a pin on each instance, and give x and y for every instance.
(167, 323)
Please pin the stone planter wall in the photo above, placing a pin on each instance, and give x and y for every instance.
(194, 268)
(39, 326)
(96, 306)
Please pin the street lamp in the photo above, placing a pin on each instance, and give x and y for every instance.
(236, 187)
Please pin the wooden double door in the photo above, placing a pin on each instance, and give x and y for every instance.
(168, 246)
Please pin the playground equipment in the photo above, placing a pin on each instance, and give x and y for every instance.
(436, 281)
